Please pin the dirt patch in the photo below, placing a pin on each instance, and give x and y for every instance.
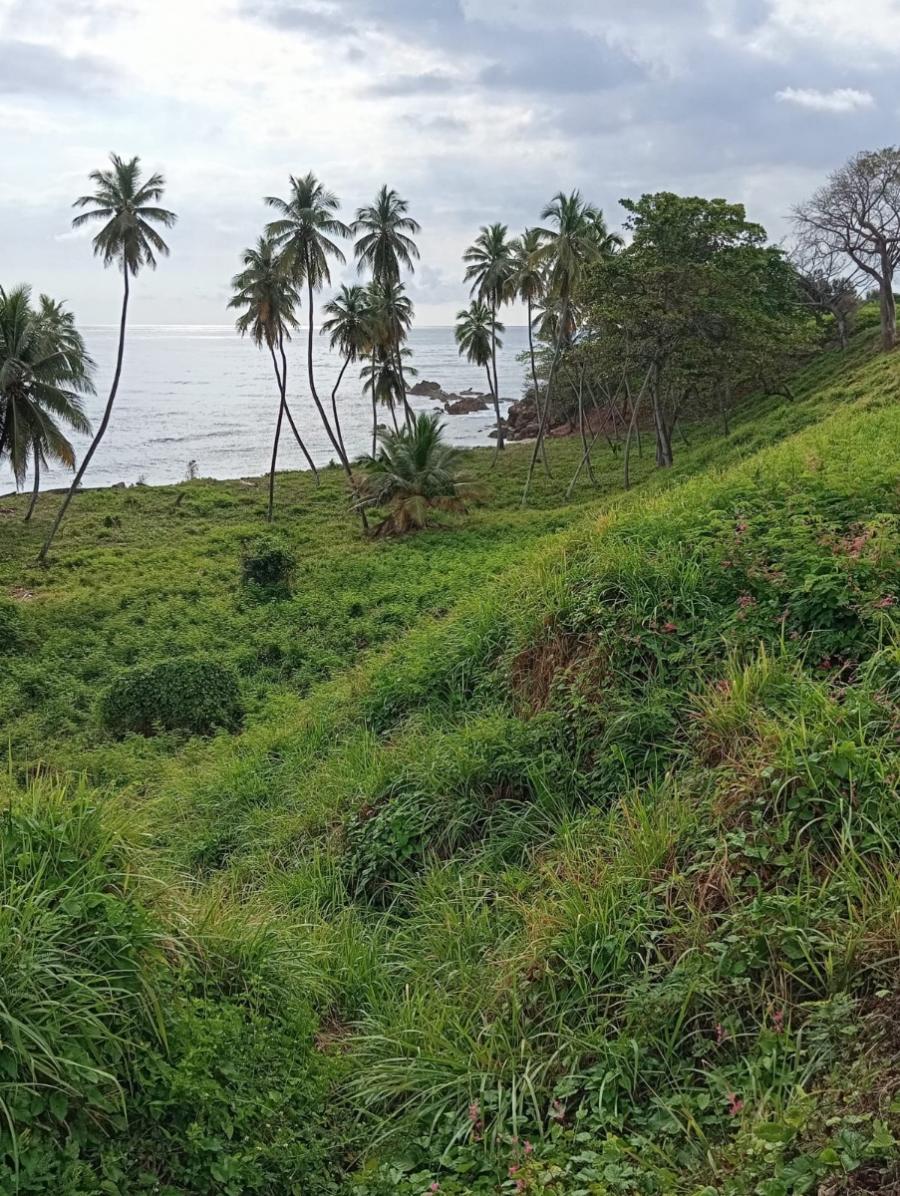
(333, 1037)
(536, 669)
(21, 594)
(886, 1182)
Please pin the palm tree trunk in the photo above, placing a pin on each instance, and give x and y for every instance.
(407, 410)
(337, 386)
(338, 448)
(374, 409)
(545, 456)
(282, 385)
(493, 394)
(501, 444)
(271, 513)
(37, 485)
(104, 423)
(546, 408)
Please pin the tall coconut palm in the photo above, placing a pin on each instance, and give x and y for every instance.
(489, 268)
(128, 208)
(385, 245)
(304, 230)
(384, 232)
(528, 285)
(349, 329)
(391, 316)
(576, 237)
(477, 336)
(267, 298)
(45, 370)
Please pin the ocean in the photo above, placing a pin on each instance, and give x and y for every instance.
(202, 394)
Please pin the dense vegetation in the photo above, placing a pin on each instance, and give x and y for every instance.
(558, 852)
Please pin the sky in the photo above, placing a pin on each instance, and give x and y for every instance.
(474, 110)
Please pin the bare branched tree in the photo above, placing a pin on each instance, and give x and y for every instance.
(857, 215)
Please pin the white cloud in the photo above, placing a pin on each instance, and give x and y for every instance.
(841, 99)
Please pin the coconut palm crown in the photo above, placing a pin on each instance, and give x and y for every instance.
(384, 232)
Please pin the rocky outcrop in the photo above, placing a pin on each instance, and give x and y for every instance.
(464, 404)
(453, 404)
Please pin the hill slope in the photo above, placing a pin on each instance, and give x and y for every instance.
(588, 886)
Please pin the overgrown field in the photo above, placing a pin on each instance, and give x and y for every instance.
(586, 882)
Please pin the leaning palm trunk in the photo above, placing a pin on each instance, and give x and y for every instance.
(104, 423)
(545, 456)
(37, 484)
(338, 444)
(501, 443)
(334, 408)
(287, 410)
(542, 421)
(326, 424)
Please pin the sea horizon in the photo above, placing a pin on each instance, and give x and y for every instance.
(199, 397)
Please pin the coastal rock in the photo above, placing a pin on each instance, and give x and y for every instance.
(427, 390)
(463, 404)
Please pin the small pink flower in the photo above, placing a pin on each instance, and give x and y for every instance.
(520, 1185)
(668, 628)
(529, 1149)
(474, 1112)
(778, 1020)
(435, 1187)
(735, 1104)
(746, 600)
(513, 1169)
(884, 603)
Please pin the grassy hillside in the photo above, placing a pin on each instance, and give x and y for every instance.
(586, 884)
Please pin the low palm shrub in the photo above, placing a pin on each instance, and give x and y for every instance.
(414, 474)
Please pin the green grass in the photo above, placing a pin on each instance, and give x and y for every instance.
(578, 875)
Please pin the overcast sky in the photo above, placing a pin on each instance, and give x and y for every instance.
(475, 110)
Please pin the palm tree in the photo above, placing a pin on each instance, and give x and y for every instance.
(384, 232)
(349, 329)
(477, 330)
(303, 230)
(45, 370)
(127, 207)
(265, 294)
(391, 316)
(414, 473)
(577, 237)
(528, 284)
(489, 268)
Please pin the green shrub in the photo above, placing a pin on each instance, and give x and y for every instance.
(186, 694)
(267, 562)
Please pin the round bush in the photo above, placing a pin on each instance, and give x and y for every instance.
(267, 562)
(186, 694)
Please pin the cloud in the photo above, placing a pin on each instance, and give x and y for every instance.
(29, 68)
(426, 83)
(841, 99)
